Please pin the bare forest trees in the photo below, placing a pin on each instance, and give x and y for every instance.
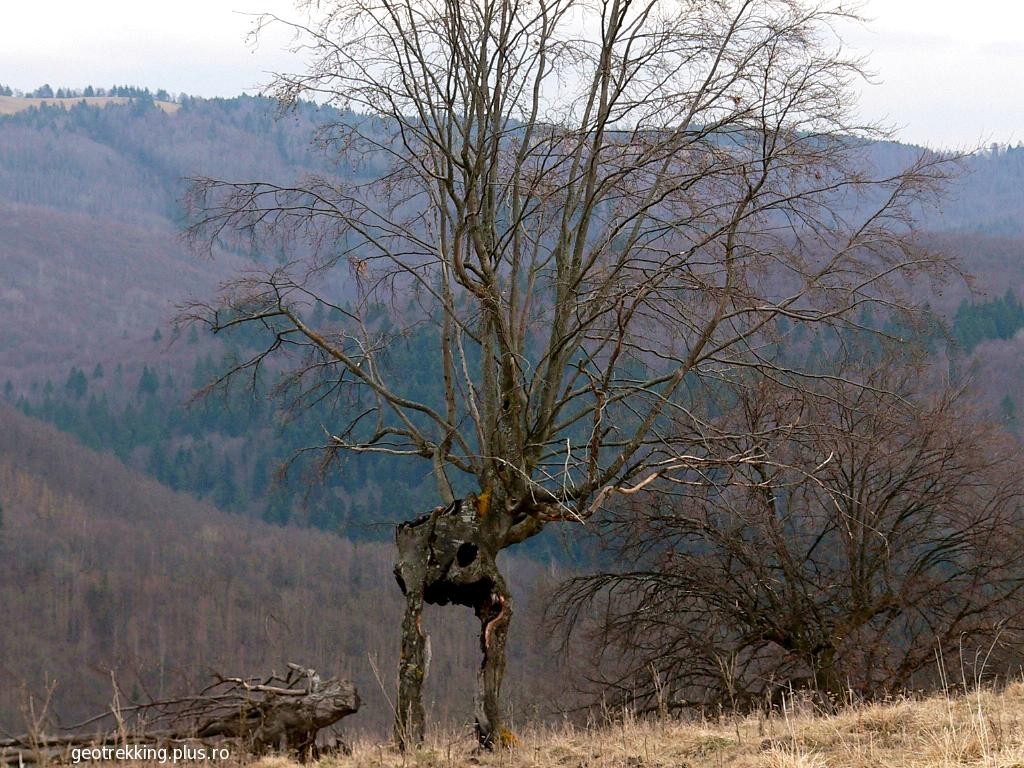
(874, 524)
(574, 210)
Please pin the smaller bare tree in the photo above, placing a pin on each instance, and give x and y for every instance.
(860, 525)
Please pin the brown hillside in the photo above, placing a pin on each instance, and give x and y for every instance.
(105, 572)
(91, 257)
(80, 290)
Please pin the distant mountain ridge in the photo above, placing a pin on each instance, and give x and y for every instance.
(91, 206)
(92, 267)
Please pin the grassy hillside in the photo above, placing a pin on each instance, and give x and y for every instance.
(104, 572)
(10, 105)
(979, 729)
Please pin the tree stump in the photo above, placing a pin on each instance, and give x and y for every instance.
(284, 721)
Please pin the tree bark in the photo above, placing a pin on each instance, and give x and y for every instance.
(412, 671)
(495, 614)
(449, 556)
(828, 685)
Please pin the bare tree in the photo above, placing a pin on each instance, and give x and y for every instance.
(582, 206)
(790, 571)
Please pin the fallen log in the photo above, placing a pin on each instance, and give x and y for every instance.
(285, 721)
(274, 714)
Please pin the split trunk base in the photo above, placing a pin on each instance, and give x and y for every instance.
(448, 556)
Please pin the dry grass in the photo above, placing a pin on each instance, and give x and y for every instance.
(984, 729)
(9, 105)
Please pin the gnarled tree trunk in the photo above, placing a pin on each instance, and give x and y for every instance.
(495, 614)
(449, 556)
(414, 662)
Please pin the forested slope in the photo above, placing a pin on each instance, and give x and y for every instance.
(90, 219)
(104, 572)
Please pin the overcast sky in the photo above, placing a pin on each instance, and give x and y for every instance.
(949, 73)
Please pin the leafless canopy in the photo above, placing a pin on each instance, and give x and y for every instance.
(574, 207)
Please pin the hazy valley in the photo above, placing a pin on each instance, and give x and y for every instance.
(149, 538)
